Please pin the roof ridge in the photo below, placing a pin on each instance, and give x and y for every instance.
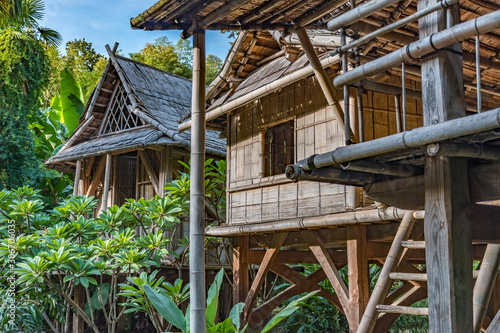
(152, 67)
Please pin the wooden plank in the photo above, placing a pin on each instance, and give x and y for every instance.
(271, 253)
(240, 269)
(151, 173)
(97, 177)
(318, 249)
(448, 237)
(359, 284)
(296, 257)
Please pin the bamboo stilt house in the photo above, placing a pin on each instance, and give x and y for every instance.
(371, 141)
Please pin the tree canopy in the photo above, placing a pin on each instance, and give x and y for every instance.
(176, 59)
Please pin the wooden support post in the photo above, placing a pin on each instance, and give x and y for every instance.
(78, 322)
(485, 282)
(97, 177)
(151, 173)
(271, 253)
(318, 249)
(78, 172)
(448, 238)
(240, 270)
(357, 265)
(107, 176)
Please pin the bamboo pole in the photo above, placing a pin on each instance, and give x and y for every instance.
(484, 284)
(383, 285)
(491, 153)
(324, 82)
(105, 191)
(457, 33)
(76, 186)
(417, 137)
(197, 197)
(393, 26)
(478, 75)
(358, 13)
(408, 310)
(312, 222)
(397, 105)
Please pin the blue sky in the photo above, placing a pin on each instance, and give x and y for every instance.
(107, 21)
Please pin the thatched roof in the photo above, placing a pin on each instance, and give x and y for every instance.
(257, 51)
(165, 97)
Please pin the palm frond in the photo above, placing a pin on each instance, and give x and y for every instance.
(50, 37)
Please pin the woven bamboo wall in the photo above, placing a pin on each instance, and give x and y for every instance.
(251, 198)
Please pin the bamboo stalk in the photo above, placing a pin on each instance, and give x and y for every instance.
(383, 285)
(484, 284)
(410, 139)
(312, 222)
(417, 277)
(457, 33)
(358, 13)
(197, 190)
(408, 310)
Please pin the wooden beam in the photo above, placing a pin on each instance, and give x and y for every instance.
(318, 249)
(240, 269)
(271, 253)
(300, 284)
(408, 193)
(296, 257)
(151, 173)
(308, 283)
(448, 238)
(97, 177)
(357, 264)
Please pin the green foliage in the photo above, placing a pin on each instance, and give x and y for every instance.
(176, 59)
(213, 66)
(69, 104)
(163, 55)
(23, 73)
(23, 16)
(166, 306)
(61, 248)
